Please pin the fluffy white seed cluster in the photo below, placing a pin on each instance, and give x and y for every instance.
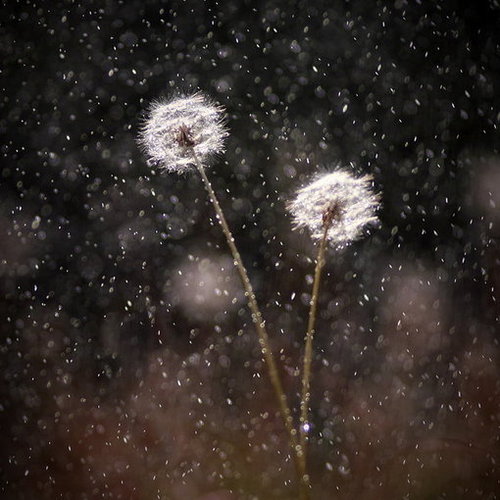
(176, 127)
(343, 202)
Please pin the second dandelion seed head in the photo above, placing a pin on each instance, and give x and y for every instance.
(337, 202)
(175, 129)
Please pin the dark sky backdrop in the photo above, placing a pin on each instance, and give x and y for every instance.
(127, 367)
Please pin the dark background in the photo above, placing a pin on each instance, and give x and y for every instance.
(130, 368)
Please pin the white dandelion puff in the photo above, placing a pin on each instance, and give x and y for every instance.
(183, 133)
(335, 208)
(176, 128)
(339, 200)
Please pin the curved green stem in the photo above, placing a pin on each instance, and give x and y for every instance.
(264, 343)
(306, 373)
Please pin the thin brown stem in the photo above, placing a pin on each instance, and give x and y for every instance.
(262, 334)
(306, 372)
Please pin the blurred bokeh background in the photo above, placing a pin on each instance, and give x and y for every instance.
(129, 364)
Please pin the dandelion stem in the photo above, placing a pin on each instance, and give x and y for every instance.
(262, 333)
(306, 373)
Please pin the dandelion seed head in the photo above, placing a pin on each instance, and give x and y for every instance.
(343, 202)
(173, 128)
